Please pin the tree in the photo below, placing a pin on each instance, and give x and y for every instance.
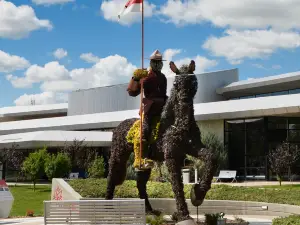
(80, 154)
(96, 169)
(282, 158)
(14, 158)
(34, 164)
(57, 165)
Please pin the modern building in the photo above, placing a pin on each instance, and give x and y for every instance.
(250, 117)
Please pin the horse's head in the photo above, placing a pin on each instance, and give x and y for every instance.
(185, 83)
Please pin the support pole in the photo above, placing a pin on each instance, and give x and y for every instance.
(142, 89)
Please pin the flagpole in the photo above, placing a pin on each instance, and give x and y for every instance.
(142, 89)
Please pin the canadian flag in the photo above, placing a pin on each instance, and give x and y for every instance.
(131, 6)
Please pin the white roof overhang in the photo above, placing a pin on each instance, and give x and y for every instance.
(55, 138)
(268, 84)
(254, 107)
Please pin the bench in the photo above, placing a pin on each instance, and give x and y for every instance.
(86, 212)
(227, 174)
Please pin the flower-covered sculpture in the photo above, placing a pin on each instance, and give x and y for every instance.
(176, 136)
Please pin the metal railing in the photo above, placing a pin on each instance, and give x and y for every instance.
(95, 212)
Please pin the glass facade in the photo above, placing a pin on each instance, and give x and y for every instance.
(248, 142)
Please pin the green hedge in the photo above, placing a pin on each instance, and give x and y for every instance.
(96, 188)
(290, 220)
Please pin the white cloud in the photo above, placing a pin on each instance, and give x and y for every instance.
(41, 99)
(51, 2)
(245, 14)
(202, 64)
(111, 9)
(253, 44)
(259, 66)
(170, 53)
(56, 81)
(276, 67)
(89, 57)
(181, 12)
(35, 74)
(273, 67)
(111, 70)
(60, 53)
(10, 63)
(17, 22)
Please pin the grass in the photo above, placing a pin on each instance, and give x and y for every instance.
(26, 199)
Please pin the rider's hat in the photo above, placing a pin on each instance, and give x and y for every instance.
(156, 55)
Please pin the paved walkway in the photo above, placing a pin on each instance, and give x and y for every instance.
(264, 220)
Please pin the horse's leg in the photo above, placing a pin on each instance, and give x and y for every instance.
(210, 167)
(141, 182)
(177, 186)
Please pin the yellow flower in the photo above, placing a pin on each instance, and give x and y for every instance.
(140, 73)
(133, 137)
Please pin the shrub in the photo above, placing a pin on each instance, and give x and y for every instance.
(96, 169)
(160, 173)
(130, 173)
(290, 220)
(282, 158)
(155, 220)
(57, 166)
(210, 140)
(34, 164)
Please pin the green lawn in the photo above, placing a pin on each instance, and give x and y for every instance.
(27, 199)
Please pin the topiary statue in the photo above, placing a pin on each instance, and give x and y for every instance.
(176, 136)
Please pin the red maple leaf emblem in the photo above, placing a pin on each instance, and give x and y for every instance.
(58, 194)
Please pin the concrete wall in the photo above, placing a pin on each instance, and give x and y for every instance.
(116, 98)
(212, 126)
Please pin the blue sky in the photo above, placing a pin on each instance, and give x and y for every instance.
(218, 35)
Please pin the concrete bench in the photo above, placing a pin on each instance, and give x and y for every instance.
(86, 212)
(227, 174)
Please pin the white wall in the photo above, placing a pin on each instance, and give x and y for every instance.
(212, 126)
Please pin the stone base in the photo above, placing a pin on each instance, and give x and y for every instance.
(186, 222)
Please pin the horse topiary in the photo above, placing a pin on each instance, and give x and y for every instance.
(176, 135)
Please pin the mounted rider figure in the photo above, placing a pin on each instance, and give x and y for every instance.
(155, 97)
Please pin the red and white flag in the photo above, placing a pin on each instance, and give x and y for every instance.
(131, 6)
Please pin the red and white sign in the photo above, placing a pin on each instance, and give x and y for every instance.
(3, 183)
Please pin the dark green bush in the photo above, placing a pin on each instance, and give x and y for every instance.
(290, 220)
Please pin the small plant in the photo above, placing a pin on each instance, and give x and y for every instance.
(240, 221)
(30, 213)
(155, 220)
(212, 219)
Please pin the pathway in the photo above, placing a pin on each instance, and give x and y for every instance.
(264, 220)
